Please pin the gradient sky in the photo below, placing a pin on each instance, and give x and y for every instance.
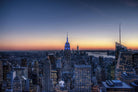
(91, 24)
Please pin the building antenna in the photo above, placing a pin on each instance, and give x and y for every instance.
(120, 33)
(67, 36)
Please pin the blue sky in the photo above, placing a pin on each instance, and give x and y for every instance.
(90, 23)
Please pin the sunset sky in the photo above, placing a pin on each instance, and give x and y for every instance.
(91, 24)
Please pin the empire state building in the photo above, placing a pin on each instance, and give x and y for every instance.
(67, 50)
(67, 45)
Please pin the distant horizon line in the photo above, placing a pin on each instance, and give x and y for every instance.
(63, 49)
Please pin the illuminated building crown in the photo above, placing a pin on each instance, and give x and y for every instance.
(67, 45)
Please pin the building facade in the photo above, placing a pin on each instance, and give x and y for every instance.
(82, 78)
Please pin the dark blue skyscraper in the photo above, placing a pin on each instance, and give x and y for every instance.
(67, 51)
(67, 45)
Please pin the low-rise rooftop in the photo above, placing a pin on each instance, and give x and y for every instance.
(116, 84)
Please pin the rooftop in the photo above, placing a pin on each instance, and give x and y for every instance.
(116, 82)
(129, 76)
(82, 66)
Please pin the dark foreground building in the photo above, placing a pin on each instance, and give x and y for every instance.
(116, 86)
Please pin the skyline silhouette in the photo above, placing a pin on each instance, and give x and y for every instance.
(42, 25)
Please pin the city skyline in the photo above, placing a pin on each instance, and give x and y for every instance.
(43, 25)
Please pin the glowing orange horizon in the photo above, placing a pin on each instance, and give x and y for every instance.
(52, 47)
(56, 44)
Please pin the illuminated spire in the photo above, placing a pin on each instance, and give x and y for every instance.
(67, 45)
(67, 36)
(120, 33)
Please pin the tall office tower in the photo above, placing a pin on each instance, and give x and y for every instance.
(124, 64)
(1, 71)
(67, 50)
(58, 66)
(82, 77)
(52, 59)
(46, 69)
(10, 76)
(36, 67)
(77, 48)
(119, 47)
(35, 73)
(24, 62)
(6, 69)
(26, 85)
(67, 54)
(54, 77)
(98, 73)
(135, 61)
(17, 84)
(1, 75)
(29, 70)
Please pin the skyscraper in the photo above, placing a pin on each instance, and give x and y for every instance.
(17, 84)
(35, 73)
(67, 54)
(10, 76)
(82, 77)
(119, 47)
(1, 74)
(124, 64)
(1, 71)
(135, 61)
(77, 48)
(24, 62)
(6, 69)
(47, 77)
(67, 50)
